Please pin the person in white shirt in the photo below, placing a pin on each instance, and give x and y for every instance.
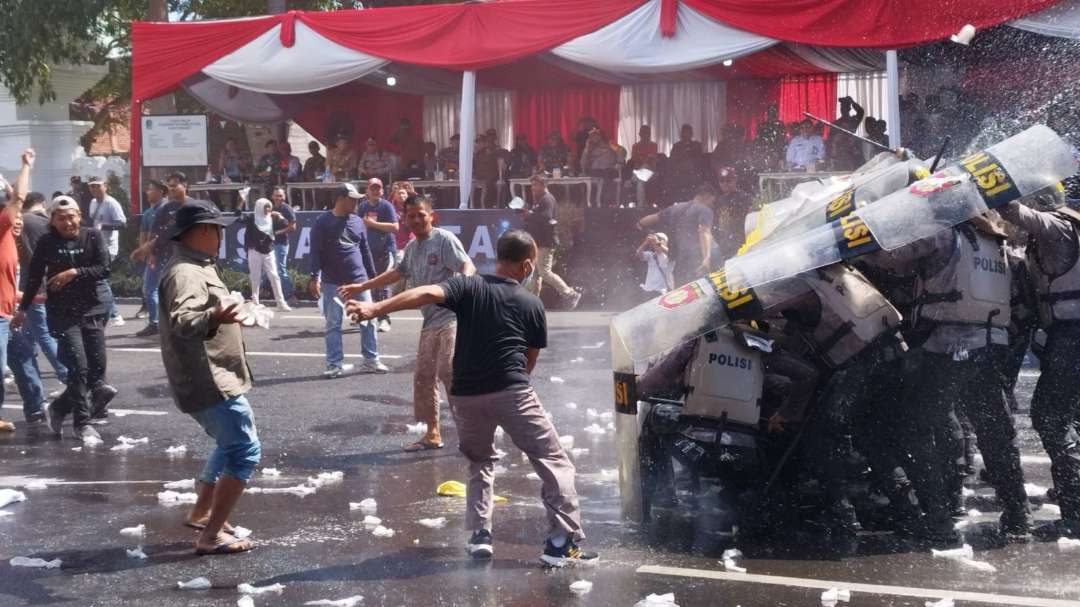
(806, 149)
(107, 216)
(654, 252)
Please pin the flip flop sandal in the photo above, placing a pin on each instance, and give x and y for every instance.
(225, 548)
(228, 528)
(422, 446)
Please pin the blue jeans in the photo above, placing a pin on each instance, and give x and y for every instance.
(22, 357)
(231, 424)
(281, 256)
(151, 278)
(333, 313)
(36, 321)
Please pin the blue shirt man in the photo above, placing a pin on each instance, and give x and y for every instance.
(340, 255)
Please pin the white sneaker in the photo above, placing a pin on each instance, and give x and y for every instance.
(384, 326)
(284, 307)
(333, 371)
(116, 321)
(373, 365)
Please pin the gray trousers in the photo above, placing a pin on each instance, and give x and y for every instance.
(519, 412)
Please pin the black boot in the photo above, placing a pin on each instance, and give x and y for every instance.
(100, 397)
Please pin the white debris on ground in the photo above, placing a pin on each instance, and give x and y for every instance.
(832, 596)
(1034, 490)
(93, 441)
(1053, 509)
(601, 415)
(978, 565)
(728, 559)
(581, 587)
(595, 429)
(175, 450)
(658, 600)
(567, 441)
(351, 601)
(579, 451)
(959, 525)
(945, 602)
(973, 513)
(187, 483)
(609, 474)
(555, 379)
(579, 359)
(76, 449)
(272, 472)
(245, 601)
(11, 496)
(1067, 543)
(381, 531)
(967, 492)
(364, 505)
(172, 498)
(136, 553)
(596, 346)
(125, 443)
(241, 532)
(199, 583)
(326, 478)
(249, 589)
(138, 531)
(22, 561)
(122, 447)
(532, 476)
(571, 405)
(417, 428)
(297, 490)
(372, 521)
(433, 523)
(964, 552)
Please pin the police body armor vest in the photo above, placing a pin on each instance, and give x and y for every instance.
(1059, 296)
(724, 380)
(853, 314)
(973, 288)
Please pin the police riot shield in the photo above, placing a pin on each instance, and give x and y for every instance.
(1020, 165)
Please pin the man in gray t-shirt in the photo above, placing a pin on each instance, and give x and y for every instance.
(431, 258)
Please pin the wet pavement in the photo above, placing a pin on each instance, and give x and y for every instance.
(320, 549)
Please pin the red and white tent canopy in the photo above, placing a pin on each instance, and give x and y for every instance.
(258, 63)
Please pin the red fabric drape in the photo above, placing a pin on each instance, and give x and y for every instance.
(815, 94)
(747, 101)
(863, 23)
(360, 111)
(537, 112)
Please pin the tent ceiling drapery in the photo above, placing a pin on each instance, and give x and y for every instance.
(299, 53)
(1061, 20)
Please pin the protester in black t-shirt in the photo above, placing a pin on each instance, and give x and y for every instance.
(501, 330)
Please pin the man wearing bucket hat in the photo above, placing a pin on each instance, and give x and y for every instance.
(203, 351)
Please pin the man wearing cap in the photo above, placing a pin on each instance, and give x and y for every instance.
(72, 261)
(107, 216)
(340, 255)
(9, 258)
(202, 348)
(381, 222)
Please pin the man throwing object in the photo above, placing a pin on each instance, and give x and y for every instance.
(500, 331)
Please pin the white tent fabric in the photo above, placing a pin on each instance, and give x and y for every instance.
(1061, 20)
(312, 64)
(868, 89)
(840, 59)
(666, 107)
(634, 44)
(442, 116)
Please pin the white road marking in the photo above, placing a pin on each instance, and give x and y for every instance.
(276, 354)
(118, 412)
(927, 593)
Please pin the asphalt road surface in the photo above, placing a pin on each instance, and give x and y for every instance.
(320, 549)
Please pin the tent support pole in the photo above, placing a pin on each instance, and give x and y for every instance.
(892, 72)
(468, 136)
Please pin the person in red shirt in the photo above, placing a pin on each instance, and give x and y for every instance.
(9, 259)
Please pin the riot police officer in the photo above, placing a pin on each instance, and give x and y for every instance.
(1054, 260)
(962, 310)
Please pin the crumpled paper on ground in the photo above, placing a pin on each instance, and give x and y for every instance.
(658, 600)
(10, 496)
(22, 561)
(351, 601)
(199, 583)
